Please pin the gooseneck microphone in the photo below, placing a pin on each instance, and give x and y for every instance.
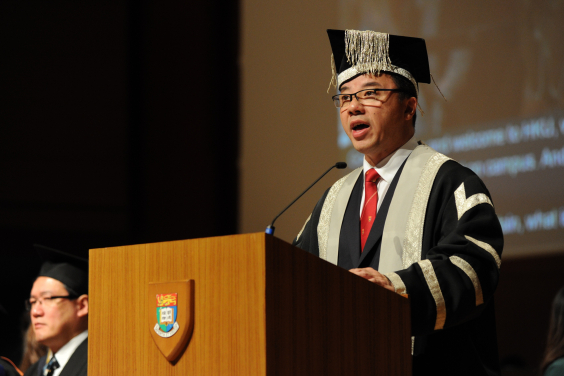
(270, 228)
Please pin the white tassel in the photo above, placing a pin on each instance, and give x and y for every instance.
(368, 50)
(333, 74)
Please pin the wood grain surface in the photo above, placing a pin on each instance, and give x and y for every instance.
(324, 320)
(229, 331)
(262, 307)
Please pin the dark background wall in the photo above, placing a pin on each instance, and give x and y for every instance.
(523, 301)
(119, 126)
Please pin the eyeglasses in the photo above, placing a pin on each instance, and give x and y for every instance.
(369, 97)
(46, 301)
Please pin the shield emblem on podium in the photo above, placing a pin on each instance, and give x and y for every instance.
(166, 315)
(171, 316)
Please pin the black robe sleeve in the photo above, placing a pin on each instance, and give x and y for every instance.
(461, 250)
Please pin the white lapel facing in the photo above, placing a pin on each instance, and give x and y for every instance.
(331, 218)
(403, 230)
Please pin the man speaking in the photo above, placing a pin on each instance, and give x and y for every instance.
(410, 220)
(58, 305)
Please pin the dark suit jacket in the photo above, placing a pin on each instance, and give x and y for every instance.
(76, 366)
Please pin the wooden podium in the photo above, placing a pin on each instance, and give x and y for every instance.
(261, 307)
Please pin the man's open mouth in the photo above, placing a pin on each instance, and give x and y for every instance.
(358, 127)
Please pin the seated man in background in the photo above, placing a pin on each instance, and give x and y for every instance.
(58, 305)
(411, 219)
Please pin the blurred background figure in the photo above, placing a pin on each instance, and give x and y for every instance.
(7, 367)
(553, 360)
(515, 365)
(33, 350)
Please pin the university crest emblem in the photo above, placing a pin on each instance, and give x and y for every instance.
(166, 325)
(171, 312)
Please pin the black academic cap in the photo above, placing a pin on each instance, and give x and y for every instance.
(68, 269)
(369, 52)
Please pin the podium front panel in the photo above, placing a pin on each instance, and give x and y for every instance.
(261, 307)
(229, 323)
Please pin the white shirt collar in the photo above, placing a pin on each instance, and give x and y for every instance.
(389, 166)
(65, 352)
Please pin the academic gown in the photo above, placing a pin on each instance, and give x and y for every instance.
(76, 366)
(452, 274)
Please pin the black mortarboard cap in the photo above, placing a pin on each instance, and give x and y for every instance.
(68, 269)
(358, 52)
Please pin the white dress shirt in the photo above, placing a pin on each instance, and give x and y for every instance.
(387, 169)
(65, 352)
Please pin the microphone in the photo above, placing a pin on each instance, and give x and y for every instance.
(270, 228)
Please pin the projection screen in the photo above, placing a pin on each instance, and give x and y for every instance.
(500, 68)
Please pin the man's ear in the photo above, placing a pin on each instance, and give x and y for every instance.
(82, 303)
(410, 108)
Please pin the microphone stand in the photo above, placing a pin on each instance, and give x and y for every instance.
(270, 228)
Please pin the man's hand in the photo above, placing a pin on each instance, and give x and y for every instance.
(374, 276)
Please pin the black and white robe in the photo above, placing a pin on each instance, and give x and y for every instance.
(437, 238)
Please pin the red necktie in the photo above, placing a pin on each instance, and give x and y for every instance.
(370, 205)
